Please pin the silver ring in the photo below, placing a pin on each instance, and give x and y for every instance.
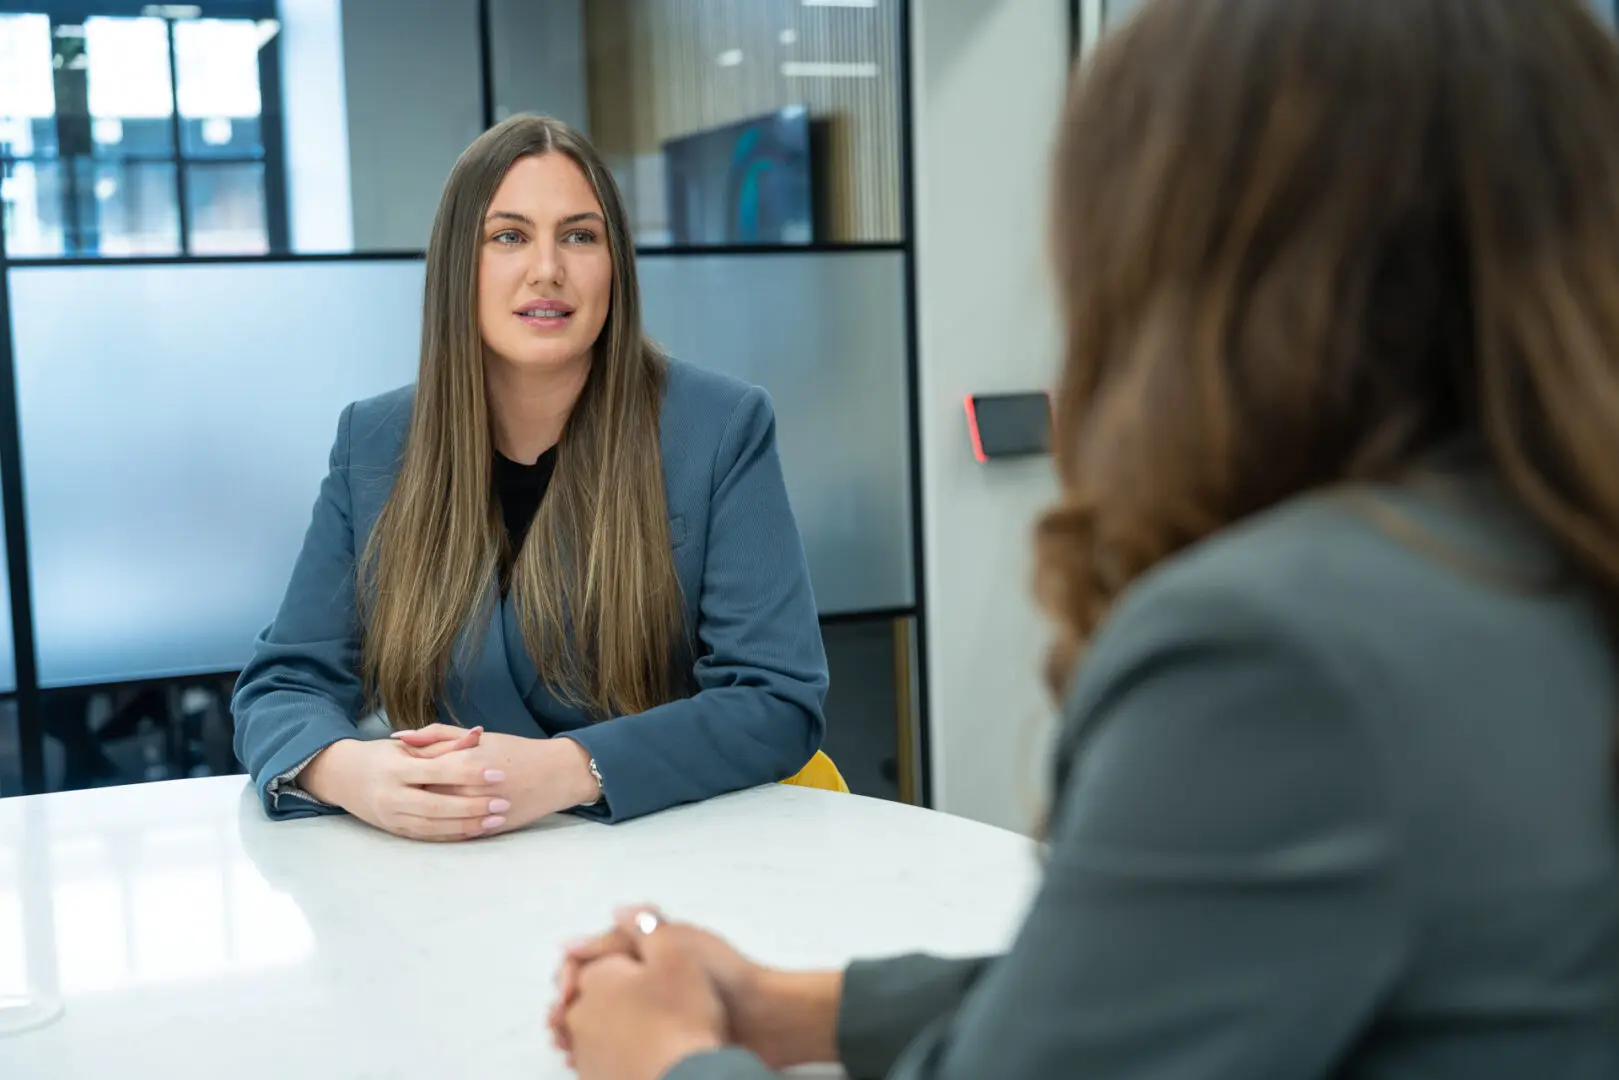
(647, 921)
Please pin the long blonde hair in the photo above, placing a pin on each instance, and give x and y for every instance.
(594, 582)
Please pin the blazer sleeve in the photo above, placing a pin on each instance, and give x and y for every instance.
(732, 1063)
(301, 690)
(761, 677)
(887, 1003)
(1221, 900)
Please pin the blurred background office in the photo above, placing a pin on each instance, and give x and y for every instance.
(213, 218)
(212, 222)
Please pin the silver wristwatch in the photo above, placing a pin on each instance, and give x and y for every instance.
(601, 791)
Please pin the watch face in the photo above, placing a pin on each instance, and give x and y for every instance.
(597, 774)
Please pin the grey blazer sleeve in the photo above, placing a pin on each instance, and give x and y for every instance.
(301, 690)
(728, 1064)
(888, 1003)
(1220, 901)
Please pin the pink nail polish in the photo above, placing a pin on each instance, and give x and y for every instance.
(493, 822)
(493, 776)
(499, 806)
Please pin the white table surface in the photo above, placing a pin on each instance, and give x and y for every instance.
(185, 936)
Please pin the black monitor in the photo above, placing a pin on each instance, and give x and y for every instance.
(751, 182)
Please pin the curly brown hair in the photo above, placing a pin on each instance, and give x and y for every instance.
(1302, 242)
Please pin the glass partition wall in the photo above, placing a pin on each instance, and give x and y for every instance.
(213, 215)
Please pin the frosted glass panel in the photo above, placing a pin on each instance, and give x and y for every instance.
(176, 428)
(825, 334)
(176, 422)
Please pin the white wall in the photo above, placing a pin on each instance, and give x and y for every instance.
(988, 86)
(1116, 11)
(537, 57)
(317, 130)
(415, 101)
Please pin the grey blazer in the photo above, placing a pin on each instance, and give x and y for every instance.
(1336, 799)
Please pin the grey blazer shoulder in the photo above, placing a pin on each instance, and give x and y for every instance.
(759, 677)
(1336, 798)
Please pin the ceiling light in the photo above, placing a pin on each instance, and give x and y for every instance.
(216, 131)
(841, 3)
(729, 58)
(787, 37)
(821, 70)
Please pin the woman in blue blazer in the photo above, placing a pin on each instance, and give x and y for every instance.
(561, 567)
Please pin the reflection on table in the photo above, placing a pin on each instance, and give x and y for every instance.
(176, 925)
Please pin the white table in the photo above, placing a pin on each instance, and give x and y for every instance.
(187, 937)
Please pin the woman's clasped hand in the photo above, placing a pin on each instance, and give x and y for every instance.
(447, 783)
(683, 991)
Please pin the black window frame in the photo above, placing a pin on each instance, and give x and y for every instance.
(272, 133)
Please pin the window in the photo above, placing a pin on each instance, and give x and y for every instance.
(131, 131)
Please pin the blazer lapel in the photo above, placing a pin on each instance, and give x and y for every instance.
(481, 689)
(547, 711)
(525, 676)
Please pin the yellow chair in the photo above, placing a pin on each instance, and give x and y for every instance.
(819, 773)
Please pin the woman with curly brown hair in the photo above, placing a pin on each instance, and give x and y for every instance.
(1334, 576)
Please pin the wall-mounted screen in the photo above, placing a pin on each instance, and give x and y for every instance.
(751, 182)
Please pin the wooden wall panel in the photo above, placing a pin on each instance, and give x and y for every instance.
(655, 73)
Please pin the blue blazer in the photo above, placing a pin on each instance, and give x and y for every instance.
(760, 671)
